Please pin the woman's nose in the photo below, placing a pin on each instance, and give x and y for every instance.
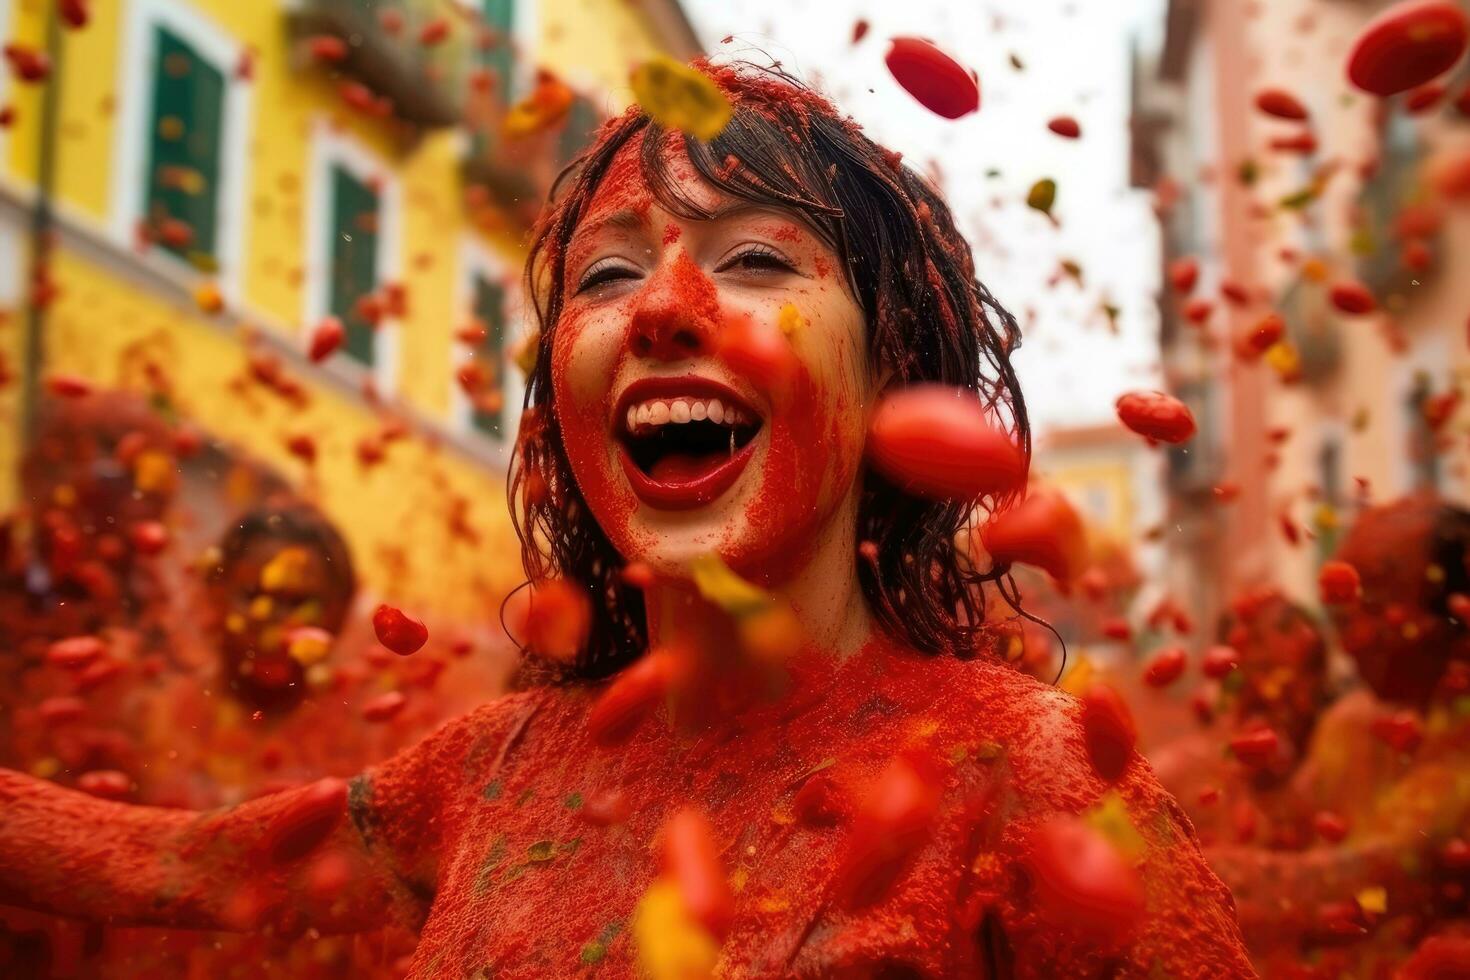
(676, 313)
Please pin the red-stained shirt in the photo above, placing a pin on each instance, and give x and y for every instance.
(485, 826)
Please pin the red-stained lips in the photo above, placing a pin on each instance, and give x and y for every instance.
(683, 441)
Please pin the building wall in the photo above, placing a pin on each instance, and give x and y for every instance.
(118, 304)
(1115, 481)
(594, 43)
(1361, 405)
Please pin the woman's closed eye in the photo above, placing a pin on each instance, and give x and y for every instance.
(605, 271)
(757, 258)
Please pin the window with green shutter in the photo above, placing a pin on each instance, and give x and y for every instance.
(490, 310)
(353, 259)
(581, 123)
(500, 57)
(184, 161)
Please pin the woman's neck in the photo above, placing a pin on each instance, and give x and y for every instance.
(823, 591)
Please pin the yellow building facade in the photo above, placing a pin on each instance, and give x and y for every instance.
(221, 184)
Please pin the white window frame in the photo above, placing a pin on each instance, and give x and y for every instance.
(478, 260)
(332, 148)
(131, 141)
(13, 243)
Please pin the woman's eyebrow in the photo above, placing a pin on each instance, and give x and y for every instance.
(744, 209)
(625, 219)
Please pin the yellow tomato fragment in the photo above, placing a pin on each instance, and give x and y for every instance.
(287, 571)
(308, 645)
(1079, 677)
(671, 945)
(208, 298)
(717, 583)
(1373, 899)
(790, 320)
(1285, 361)
(543, 108)
(1110, 818)
(679, 97)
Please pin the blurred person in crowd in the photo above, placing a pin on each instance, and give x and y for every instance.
(280, 585)
(79, 559)
(1388, 770)
(1281, 684)
(96, 485)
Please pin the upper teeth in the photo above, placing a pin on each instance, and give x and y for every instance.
(661, 411)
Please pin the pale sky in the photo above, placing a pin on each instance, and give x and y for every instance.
(1075, 57)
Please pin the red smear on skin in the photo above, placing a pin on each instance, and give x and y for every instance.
(671, 233)
(1304, 144)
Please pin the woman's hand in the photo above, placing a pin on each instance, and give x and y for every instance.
(283, 862)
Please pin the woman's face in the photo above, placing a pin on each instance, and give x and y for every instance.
(710, 377)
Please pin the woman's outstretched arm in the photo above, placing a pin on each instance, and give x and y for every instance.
(335, 855)
(282, 862)
(1288, 896)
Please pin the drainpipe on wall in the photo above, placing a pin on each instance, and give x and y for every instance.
(42, 225)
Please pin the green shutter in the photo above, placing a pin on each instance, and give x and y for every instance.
(354, 259)
(577, 132)
(184, 135)
(490, 310)
(500, 15)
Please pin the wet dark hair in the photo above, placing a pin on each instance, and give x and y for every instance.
(928, 319)
(294, 523)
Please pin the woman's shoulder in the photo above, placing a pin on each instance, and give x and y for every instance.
(461, 740)
(1028, 729)
(990, 692)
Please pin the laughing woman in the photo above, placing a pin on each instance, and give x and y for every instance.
(717, 319)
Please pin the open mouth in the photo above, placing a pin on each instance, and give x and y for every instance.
(683, 441)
